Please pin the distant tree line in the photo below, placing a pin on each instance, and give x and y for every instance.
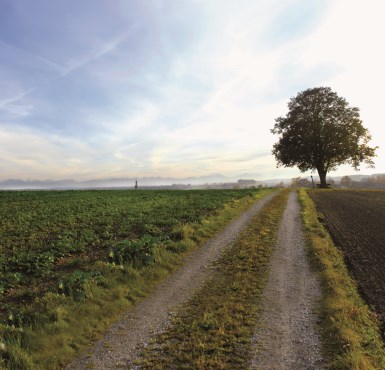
(299, 182)
(371, 182)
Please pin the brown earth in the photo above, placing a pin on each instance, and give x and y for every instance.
(356, 221)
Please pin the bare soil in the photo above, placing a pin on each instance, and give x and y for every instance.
(355, 220)
(286, 335)
(123, 342)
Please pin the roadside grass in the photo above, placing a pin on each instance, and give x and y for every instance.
(351, 332)
(214, 329)
(64, 326)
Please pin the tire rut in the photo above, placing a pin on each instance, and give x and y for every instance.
(286, 335)
(123, 342)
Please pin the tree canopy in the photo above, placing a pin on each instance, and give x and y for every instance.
(320, 132)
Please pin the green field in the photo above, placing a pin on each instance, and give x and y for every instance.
(66, 255)
(64, 250)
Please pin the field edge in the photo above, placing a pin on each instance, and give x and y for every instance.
(214, 329)
(350, 331)
(53, 345)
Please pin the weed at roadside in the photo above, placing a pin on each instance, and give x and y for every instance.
(351, 334)
(214, 329)
(98, 291)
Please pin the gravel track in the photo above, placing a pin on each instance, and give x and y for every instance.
(123, 342)
(286, 336)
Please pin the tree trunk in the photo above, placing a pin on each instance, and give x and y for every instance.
(322, 176)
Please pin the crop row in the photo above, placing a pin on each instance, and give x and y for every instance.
(49, 239)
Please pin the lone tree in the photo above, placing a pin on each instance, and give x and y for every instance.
(320, 132)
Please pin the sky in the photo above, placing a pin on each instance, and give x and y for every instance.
(94, 89)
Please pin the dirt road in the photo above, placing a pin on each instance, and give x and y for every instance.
(286, 336)
(124, 340)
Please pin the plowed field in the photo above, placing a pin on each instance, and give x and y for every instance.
(356, 222)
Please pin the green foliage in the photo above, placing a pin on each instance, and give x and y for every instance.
(91, 254)
(31, 263)
(73, 285)
(136, 252)
(320, 132)
(42, 232)
(215, 328)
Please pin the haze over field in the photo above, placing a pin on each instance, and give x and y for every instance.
(175, 88)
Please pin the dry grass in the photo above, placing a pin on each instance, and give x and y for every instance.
(61, 336)
(215, 328)
(351, 334)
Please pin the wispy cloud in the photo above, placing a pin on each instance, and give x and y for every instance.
(31, 57)
(13, 99)
(93, 55)
(59, 71)
(173, 87)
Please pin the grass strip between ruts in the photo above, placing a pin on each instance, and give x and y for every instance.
(215, 328)
(351, 334)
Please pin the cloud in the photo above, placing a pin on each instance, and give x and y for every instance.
(294, 20)
(173, 87)
(16, 110)
(92, 55)
(24, 152)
